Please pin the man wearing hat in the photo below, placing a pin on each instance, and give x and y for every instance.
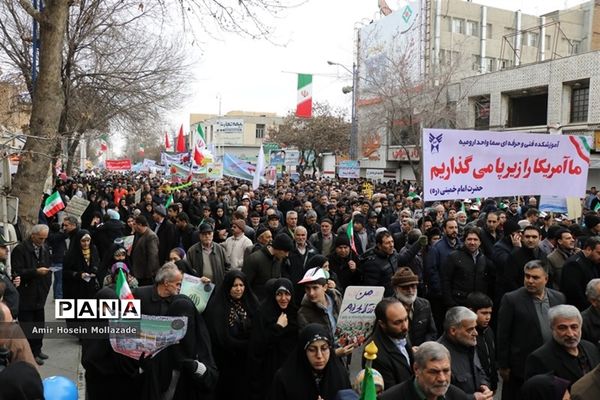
(344, 262)
(166, 232)
(265, 263)
(207, 258)
(421, 325)
(236, 244)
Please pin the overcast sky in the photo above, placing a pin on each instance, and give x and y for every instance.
(260, 76)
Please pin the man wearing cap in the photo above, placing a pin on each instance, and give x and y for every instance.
(421, 326)
(207, 258)
(236, 244)
(166, 232)
(265, 263)
(394, 357)
(273, 222)
(320, 305)
(323, 241)
(344, 262)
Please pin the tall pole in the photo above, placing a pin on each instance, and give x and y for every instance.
(354, 126)
(34, 47)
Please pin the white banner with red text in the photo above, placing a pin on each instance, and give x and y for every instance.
(469, 164)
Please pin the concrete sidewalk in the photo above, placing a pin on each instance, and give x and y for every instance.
(64, 353)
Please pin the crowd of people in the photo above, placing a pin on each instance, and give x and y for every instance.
(479, 294)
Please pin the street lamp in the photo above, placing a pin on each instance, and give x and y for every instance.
(354, 122)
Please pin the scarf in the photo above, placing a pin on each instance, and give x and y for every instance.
(87, 255)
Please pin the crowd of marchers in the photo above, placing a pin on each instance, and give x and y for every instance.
(480, 295)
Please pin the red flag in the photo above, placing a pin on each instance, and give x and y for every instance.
(198, 156)
(180, 141)
(167, 142)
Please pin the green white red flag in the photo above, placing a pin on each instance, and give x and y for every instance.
(304, 105)
(53, 204)
(350, 233)
(122, 287)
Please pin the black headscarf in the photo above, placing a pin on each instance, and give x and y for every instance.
(75, 264)
(296, 380)
(544, 387)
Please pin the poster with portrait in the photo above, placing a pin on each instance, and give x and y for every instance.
(357, 314)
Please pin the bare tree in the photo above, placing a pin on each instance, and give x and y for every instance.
(49, 96)
(399, 97)
(327, 131)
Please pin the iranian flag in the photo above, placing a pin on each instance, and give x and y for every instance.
(122, 287)
(201, 138)
(103, 143)
(199, 147)
(169, 201)
(141, 151)
(304, 106)
(53, 204)
(350, 233)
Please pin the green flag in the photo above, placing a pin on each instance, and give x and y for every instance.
(369, 391)
(169, 201)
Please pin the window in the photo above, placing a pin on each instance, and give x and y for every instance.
(528, 107)
(458, 25)
(575, 47)
(502, 64)
(447, 57)
(482, 112)
(490, 64)
(260, 131)
(531, 39)
(579, 103)
(548, 42)
(472, 28)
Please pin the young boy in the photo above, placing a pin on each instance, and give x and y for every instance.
(482, 305)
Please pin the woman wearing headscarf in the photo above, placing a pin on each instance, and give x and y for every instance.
(274, 334)
(229, 316)
(222, 223)
(115, 253)
(545, 387)
(80, 268)
(312, 372)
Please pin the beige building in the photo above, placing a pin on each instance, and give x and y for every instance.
(483, 40)
(237, 132)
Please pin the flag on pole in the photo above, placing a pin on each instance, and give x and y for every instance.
(103, 143)
(201, 139)
(597, 207)
(169, 201)
(260, 169)
(198, 156)
(304, 106)
(180, 147)
(369, 391)
(122, 287)
(167, 142)
(141, 151)
(350, 233)
(53, 204)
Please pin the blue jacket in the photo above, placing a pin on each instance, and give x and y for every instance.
(436, 257)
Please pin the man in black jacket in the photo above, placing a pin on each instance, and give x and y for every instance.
(432, 377)
(565, 355)
(30, 260)
(379, 264)
(590, 329)
(578, 270)
(523, 325)
(395, 357)
(166, 232)
(460, 338)
(521, 255)
(482, 305)
(466, 270)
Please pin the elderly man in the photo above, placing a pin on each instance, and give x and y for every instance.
(30, 261)
(432, 377)
(421, 324)
(207, 258)
(566, 355)
(156, 298)
(591, 316)
(523, 325)
(460, 338)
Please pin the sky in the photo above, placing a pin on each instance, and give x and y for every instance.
(234, 73)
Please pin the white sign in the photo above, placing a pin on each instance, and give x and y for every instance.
(374, 174)
(349, 169)
(229, 131)
(76, 207)
(467, 164)
(357, 314)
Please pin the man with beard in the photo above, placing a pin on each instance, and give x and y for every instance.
(565, 248)
(566, 356)
(379, 264)
(460, 338)
(395, 356)
(432, 377)
(578, 270)
(421, 327)
(343, 262)
(528, 251)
